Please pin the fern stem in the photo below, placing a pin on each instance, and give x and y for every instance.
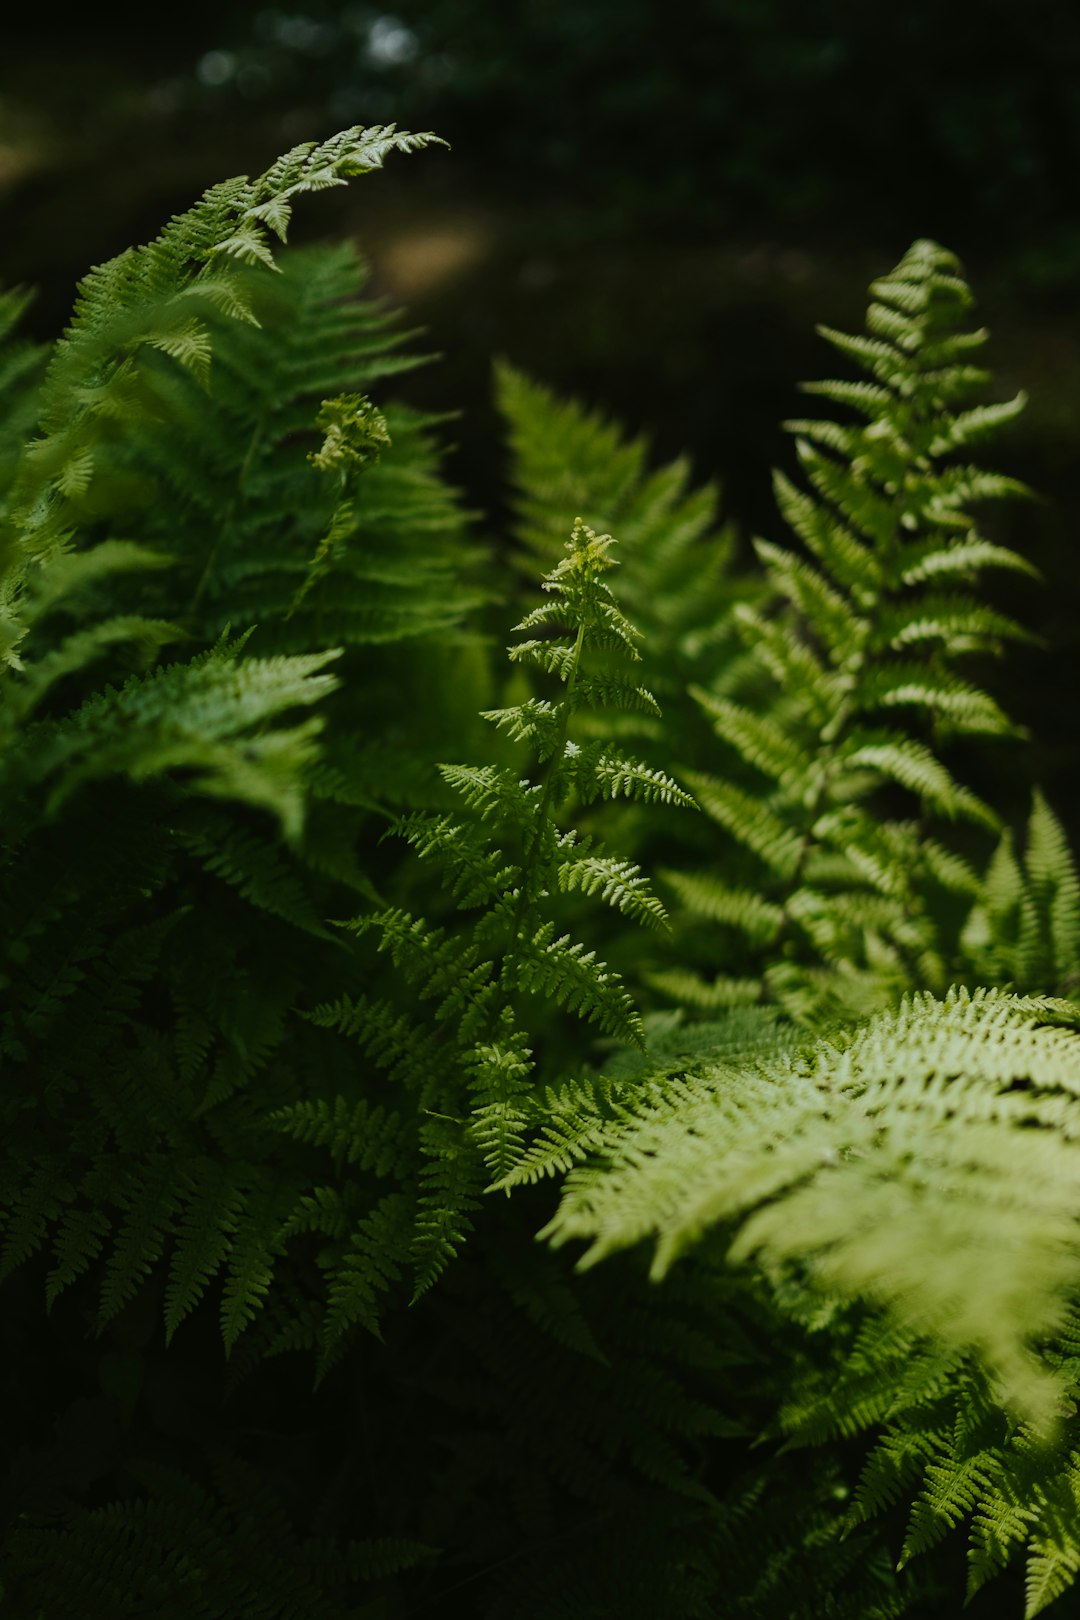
(543, 814)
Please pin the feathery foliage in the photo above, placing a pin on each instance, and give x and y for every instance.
(679, 586)
(474, 1069)
(854, 684)
(238, 629)
(146, 797)
(910, 1119)
(1024, 928)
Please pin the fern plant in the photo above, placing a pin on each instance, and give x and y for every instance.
(147, 793)
(855, 685)
(238, 606)
(1024, 928)
(471, 1071)
(950, 1127)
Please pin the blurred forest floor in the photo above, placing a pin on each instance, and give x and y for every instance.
(700, 343)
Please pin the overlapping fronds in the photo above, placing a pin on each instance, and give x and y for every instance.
(944, 1451)
(158, 297)
(163, 497)
(298, 504)
(925, 1162)
(853, 684)
(233, 617)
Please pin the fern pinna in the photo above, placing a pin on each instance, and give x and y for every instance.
(854, 687)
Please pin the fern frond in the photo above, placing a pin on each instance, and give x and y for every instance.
(249, 1269)
(911, 1122)
(1024, 927)
(866, 633)
(373, 1260)
(213, 1207)
(741, 909)
(572, 977)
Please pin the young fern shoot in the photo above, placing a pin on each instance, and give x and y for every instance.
(505, 863)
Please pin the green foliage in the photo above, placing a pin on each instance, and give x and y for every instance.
(679, 588)
(184, 1550)
(910, 1120)
(246, 1142)
(852, 686)
(1025, 926)
(474, 1072)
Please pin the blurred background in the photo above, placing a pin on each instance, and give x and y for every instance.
(647, 205)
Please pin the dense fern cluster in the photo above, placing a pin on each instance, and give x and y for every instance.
(312, 983)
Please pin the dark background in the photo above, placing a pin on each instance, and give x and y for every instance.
(645, 204)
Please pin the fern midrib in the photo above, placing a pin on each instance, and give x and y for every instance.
(530, 861)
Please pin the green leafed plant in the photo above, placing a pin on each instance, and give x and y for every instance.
(832, 782)
(238, 607)
(471, 1068)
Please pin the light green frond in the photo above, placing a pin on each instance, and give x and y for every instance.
(596, 773)
(492, 791)
(842, 553)
(880, 359)
(710, 996)
(833, 618)
(968, 427)
(887, 1163)
(618, 883)
(963, 706)
(957, 623)
(868, 399)
(929, 560)
(792, 664)
(917, 768)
